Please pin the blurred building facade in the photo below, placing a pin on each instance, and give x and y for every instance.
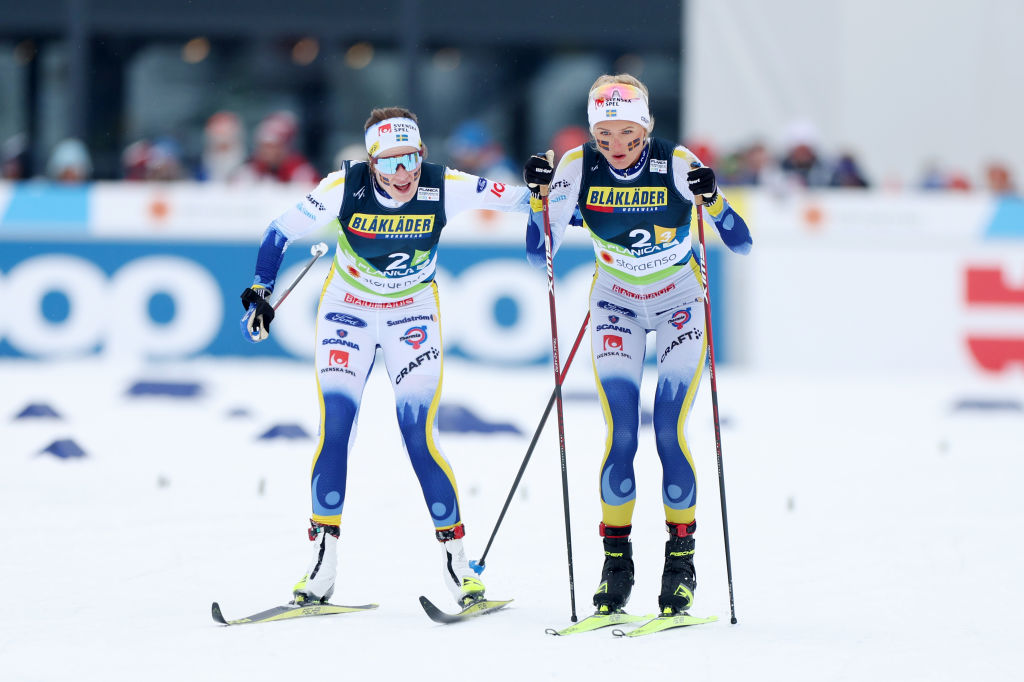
(113, 73)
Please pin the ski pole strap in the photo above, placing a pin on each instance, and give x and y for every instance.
(615, 531)
(681, 530)
(454, 533)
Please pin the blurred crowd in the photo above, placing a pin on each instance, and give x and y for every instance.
(797, 162)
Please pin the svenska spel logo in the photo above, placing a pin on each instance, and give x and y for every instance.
(338, 357)
(612, 342)
(386, 128)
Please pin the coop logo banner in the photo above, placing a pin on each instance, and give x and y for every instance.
(179, 300)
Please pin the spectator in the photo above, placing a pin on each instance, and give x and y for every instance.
(801, 163)
(847, 173)
(274, 158)
(223, 148)
(70, 162)
(999, 180)
(472, 149)
(14, 158)
(568, 138)
(163, 160)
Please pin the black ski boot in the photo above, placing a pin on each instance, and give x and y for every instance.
(679, 580)
(617, 573)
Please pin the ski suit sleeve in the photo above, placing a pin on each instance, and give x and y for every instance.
(562, 208)
(731, 227)
(312, 212)
(466, 192)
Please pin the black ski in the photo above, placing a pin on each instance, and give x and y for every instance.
(476, 608)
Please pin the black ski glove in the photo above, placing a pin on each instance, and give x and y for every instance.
(702, 181)
(259, 313)
(538, 170)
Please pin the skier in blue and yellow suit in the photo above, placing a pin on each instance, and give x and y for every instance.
(635, 195)
(380, 293)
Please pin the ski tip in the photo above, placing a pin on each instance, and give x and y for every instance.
(478, 568)
(217, 615)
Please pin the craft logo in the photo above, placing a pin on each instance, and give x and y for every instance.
(414, 336)
(386, 128)
(680, 318)
(631, 200)
(391, 227)
(612, 342)
(338, 357)
(345, 318)
(317, 204)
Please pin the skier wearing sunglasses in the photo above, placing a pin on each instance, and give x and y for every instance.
(390, 211)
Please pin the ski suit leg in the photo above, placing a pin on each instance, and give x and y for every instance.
(617, 344)
(413, 353)
(682, 347)
(345, 348)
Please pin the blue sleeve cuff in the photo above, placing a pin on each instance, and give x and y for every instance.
(269, 257)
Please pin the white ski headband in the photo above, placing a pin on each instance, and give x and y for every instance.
(391, 133)
(618, 102)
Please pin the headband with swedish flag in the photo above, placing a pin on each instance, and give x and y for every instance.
(391, 133)
(618, 102)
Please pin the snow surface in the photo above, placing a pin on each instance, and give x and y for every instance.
(876, 531)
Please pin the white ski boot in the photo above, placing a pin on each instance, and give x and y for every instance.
(318, 583)
(464, 584)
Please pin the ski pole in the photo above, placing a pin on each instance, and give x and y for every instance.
(479, 566)
(317, 250)
(549, 249)
(698, 200)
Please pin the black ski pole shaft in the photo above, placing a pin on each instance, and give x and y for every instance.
(549, 248)
(714, 402)
(533, 444)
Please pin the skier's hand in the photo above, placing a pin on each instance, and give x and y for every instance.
(258, 313)
(702, 181)
(538, 170)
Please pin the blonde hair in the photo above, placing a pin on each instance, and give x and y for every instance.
(625, 79)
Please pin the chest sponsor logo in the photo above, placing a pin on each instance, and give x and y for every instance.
(390, 226)
(345, 318)
(629, 200)
(659, 166)
(414, 336)
(680, 318)
(383, 305)
(428, 194)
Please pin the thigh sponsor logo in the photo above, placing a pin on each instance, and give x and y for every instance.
(344, 318)
(642, 297)
(614, 328)
(605, 305)
(692, 335)
(680, 318)
(414, 336)
(337, 361)
(387, 305)
(339, 342)
(409, 319)
(431, 354)
(612, 342)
